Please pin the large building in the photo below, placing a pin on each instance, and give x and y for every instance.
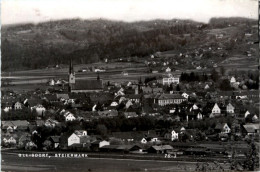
(83, 86)
(170, 80)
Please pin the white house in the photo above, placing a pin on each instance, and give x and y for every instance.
(168, 69)
(216, 109)
(230, 108)
(199, 116)
(194, 107)
(7, 108)
(143, 141)
(73, 139)
(103, 143)
(17, 106)
(39, 109)
(185, 95)
(69, 116)
(52, 82)
(247, 113)
(174, 135)
(232, 80)
(206, 87)
(76, 136)
(114, 104)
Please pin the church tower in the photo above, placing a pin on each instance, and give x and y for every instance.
(72, 78)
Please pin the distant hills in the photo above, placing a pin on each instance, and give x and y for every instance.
(33, 46)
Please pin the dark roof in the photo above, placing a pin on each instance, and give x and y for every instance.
(170, 96)
(88, 85)
(56, 139)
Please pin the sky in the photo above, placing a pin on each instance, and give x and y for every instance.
(35, 11)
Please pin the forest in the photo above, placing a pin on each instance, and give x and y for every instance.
(34, 46)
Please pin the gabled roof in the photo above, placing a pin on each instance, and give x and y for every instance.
(56, 139)
(220, 126)
(250, 128)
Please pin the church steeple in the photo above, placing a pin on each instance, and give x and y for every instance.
(72, 77)
(71, 70)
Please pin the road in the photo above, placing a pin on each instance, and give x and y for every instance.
(12, 162)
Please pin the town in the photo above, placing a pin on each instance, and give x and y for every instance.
(198, 104)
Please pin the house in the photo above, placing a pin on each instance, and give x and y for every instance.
(120, 148)
(55, 140)
(206, 86)
(40, 109)
(113, 104)
(79, 136)
(130, 114)
(51, 123)
(62, 97)
(136, 98)
(69, 116)
(168, 69)
(96, 145)
(230, 108)
(199, 116)
(251, 129)
(222, 128)
(17, 125)
(174, 135)
(170, 80)
(18, 106)
(166, 99)
(9, 140)
(232, 80)
(160, 149)
(247, 113)
(215, 111)
(185, 95)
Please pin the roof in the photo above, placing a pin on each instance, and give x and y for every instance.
(170, 96)
(88, 85)
(162, 147)
(18, 123)
(250, 128)
(220, 126)
(34, 102)
(56, 139)
(64, 96)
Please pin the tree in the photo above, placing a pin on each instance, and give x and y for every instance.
(225, 85)
(222, 70)
(178, 87)
(214, 75)
(101, 129)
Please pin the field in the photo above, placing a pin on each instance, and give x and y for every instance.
(11, 162)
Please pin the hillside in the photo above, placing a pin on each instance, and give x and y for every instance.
(33, 46)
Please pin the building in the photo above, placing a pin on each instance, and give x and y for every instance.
(166, 99)
(17, 106)
(83, 86)
(171, 80)
(69, 116)
(222, 128)
(230, 108)
(216, 109)
(233, 80)
(77, 137)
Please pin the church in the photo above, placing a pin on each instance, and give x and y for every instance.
(83, 86)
